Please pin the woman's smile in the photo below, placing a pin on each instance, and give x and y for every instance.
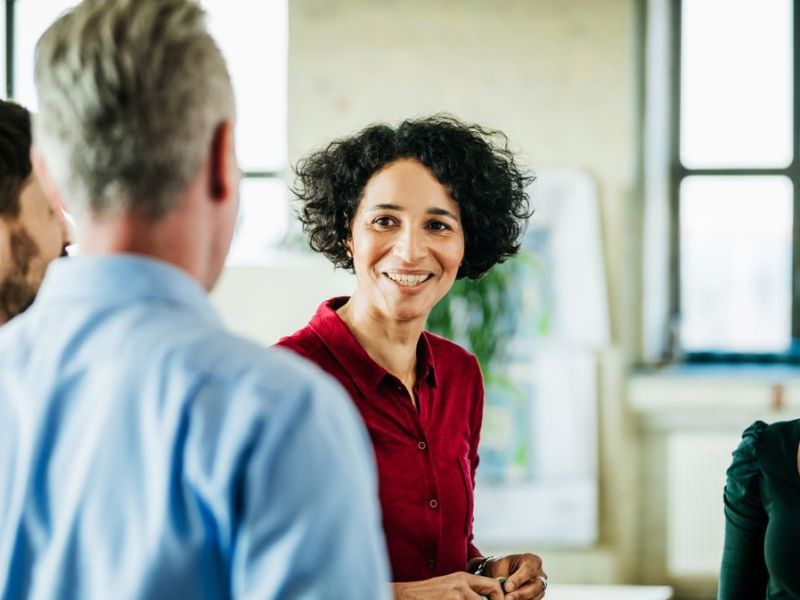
(408, 280)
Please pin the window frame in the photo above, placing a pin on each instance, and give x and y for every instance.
(10, 89)
(678, 172)
(9, 50)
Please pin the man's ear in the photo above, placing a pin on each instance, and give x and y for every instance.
(45, 180)
(224, 171)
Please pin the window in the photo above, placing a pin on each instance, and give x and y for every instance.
(734, 180)
(253, 37)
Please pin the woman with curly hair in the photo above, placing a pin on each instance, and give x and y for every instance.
(411, 209)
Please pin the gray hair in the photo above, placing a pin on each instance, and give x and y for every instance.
(130, 94)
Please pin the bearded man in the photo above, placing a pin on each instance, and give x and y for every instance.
(33, 232)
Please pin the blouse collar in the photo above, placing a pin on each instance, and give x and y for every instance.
(366, 373)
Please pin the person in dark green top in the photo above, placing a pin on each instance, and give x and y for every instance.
(761, 557)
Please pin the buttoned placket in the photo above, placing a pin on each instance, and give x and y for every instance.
(415, 419)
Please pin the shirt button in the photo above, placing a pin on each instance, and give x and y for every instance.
(433, 503)
(422, 445)
(431, 564)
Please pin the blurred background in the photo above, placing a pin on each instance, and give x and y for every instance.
(652, 314)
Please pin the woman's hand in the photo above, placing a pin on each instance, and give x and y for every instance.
(456, 586)
(522, 573)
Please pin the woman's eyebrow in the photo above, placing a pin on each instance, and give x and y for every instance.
(384, 207)
(442, 212)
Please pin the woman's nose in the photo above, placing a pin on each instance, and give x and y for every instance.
(410, 246)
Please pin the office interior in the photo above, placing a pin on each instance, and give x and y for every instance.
(632, 389)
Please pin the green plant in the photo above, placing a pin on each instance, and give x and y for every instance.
(483, 314)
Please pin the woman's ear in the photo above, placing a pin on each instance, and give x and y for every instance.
(224, 173)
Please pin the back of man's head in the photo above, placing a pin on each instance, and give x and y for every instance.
(130, 93)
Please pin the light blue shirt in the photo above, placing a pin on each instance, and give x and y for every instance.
(147, 453)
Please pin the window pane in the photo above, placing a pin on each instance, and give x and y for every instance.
(263, 219)
(254, 38)
(736, 104)
(736, 257)
(3, 48)
(33, 17)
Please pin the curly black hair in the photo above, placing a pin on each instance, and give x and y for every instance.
(472, 162)
(15, 162)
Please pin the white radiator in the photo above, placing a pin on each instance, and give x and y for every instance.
(696, 465)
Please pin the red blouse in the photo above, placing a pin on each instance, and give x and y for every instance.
(427, 458)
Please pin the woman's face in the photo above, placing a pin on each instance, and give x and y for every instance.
(406, 241)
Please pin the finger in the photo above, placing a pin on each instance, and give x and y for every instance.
(529, 591)
(466, 594)
(486, 586)
(534, 589)
(541, 582)
(530, 565)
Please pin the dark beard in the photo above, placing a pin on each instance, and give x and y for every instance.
(16, 292)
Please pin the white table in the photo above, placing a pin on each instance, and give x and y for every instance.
(557, 591)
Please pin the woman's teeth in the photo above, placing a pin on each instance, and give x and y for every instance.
(407, 280)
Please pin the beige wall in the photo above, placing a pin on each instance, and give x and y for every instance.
(559, 77)
(556, 75)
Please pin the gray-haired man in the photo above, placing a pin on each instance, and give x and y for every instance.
(144, 451)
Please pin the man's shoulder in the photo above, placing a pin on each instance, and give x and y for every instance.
(224, 355)
(16, 340)
(267, 388)
(157, 343)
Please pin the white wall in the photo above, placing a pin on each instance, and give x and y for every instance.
(267, 302)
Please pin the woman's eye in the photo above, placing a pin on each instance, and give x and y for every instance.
(383, 221)
(438, 226)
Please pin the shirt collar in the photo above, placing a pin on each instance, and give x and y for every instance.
(366, 373)
(119, 279)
